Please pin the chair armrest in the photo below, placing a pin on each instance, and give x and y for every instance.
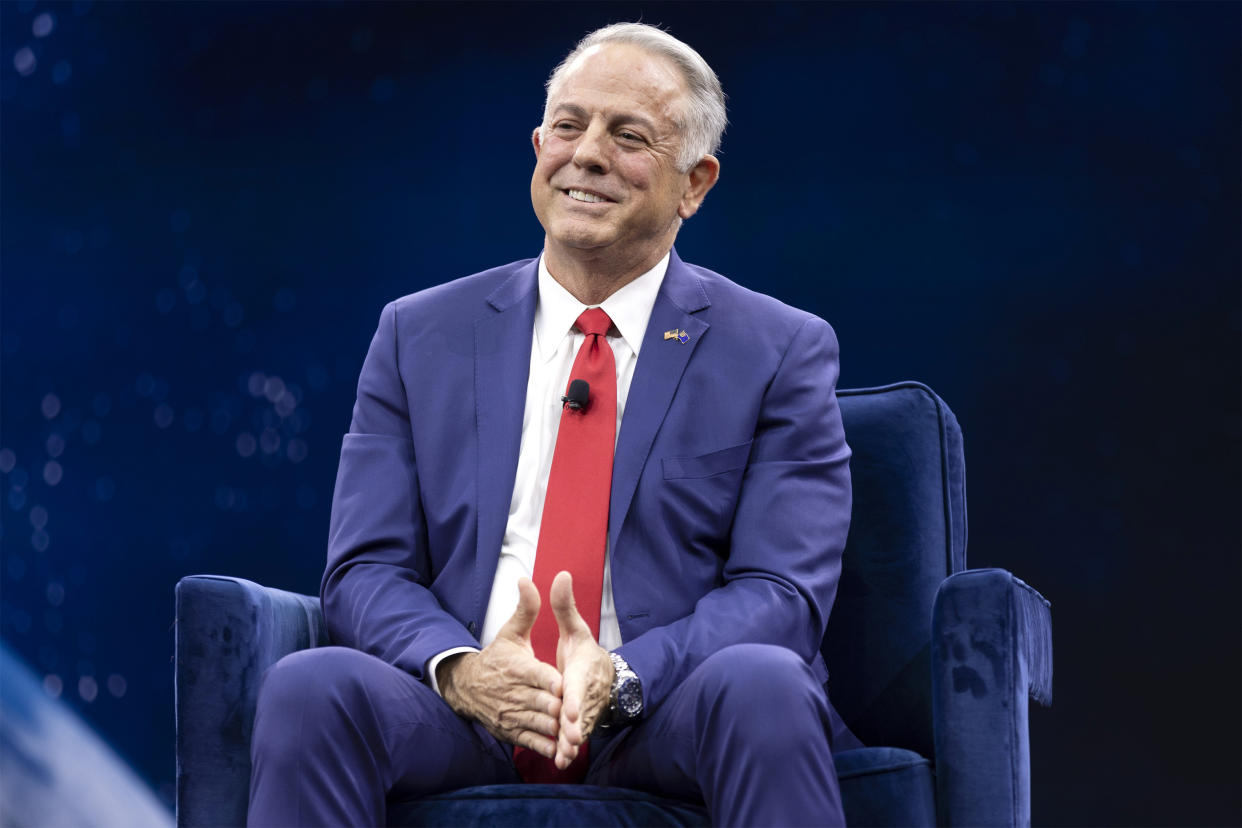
(991, 650)
(228, 632)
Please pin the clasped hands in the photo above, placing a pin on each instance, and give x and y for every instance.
(523, 701)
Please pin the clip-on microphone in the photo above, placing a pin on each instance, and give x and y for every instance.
(578, 394)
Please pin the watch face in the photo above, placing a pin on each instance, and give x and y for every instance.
(630, 697)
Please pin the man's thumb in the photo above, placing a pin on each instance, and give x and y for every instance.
(523, 618)
(561, 597)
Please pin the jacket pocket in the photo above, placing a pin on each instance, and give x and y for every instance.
(707, 465)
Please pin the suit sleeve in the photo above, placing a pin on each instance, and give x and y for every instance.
(788, 531)
(375, 587)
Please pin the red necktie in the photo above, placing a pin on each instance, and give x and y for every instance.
(574, 529)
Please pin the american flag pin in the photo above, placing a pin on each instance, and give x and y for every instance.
(680, 336)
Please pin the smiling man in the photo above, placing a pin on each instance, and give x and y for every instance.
(599, 540)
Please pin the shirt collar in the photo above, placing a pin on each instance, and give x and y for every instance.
(629, 309)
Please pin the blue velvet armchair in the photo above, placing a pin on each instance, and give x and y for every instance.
(931, 663)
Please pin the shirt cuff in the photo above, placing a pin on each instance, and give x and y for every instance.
(434, 662)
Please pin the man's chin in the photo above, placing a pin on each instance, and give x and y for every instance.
(578, 238)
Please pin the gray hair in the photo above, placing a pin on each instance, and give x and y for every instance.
(704, 120)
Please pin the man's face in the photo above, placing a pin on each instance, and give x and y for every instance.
(606, 177)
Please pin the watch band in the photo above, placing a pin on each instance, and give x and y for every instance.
(626, 701)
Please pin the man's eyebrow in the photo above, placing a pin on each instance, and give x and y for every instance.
(570, 109)
(575, 111)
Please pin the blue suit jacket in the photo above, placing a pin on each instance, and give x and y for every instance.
(730, 490)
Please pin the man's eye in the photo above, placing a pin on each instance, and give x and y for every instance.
(630, 136)
(564, 127)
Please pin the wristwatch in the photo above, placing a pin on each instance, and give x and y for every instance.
(627, 694)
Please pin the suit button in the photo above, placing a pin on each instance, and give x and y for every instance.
(473, 628)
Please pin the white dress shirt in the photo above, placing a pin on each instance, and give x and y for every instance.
(553, 348)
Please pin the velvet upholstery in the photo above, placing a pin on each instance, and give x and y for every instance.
(992, 649)
(929, 661)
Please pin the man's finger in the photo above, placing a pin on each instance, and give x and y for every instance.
(566, 753)
(572, 705)
(542, 745)
(523, 618)
(561, 597)
(531, 721)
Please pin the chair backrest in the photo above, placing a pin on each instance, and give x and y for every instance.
(907, 533)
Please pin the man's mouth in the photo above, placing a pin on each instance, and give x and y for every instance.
(583, 195)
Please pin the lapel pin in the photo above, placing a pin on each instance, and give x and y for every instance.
(680, 336)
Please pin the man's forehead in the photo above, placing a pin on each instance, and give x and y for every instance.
(621, 74)
(625, 63)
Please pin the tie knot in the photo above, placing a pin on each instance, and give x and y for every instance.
(593, 321)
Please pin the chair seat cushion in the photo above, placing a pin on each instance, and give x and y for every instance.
(492, 805)
(879, 786)
(886, 786)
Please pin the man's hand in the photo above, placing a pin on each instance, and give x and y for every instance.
(509, 691)
(586, 669)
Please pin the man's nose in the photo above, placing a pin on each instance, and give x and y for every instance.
(592, 150)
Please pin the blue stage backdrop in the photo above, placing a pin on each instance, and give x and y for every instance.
(1034, 208)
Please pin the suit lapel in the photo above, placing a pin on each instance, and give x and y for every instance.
(502, 341)
(656, 376)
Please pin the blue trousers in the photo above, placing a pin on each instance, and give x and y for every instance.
(338, 731)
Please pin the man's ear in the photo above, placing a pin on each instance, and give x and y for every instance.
(703, 177)
(536, 139)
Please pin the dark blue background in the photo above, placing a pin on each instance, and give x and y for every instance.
(1033, 208)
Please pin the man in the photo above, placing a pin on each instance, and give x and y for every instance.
(648, 618)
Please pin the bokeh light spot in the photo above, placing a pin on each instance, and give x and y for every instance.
(38, 517)
(50, 405)
(195, 292)
(55, 445)
(53, 686)
(286, 404)
(24, 61)
(297, 450)
(164, 415)
(246, 444)
(117, 685)
(221, 419)
(273, 388)
(40, 540)
(269, 441)
(88, 688)
(52, 473)
(7, 460)
(43, 25)
(55, 593)
(145, 386)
